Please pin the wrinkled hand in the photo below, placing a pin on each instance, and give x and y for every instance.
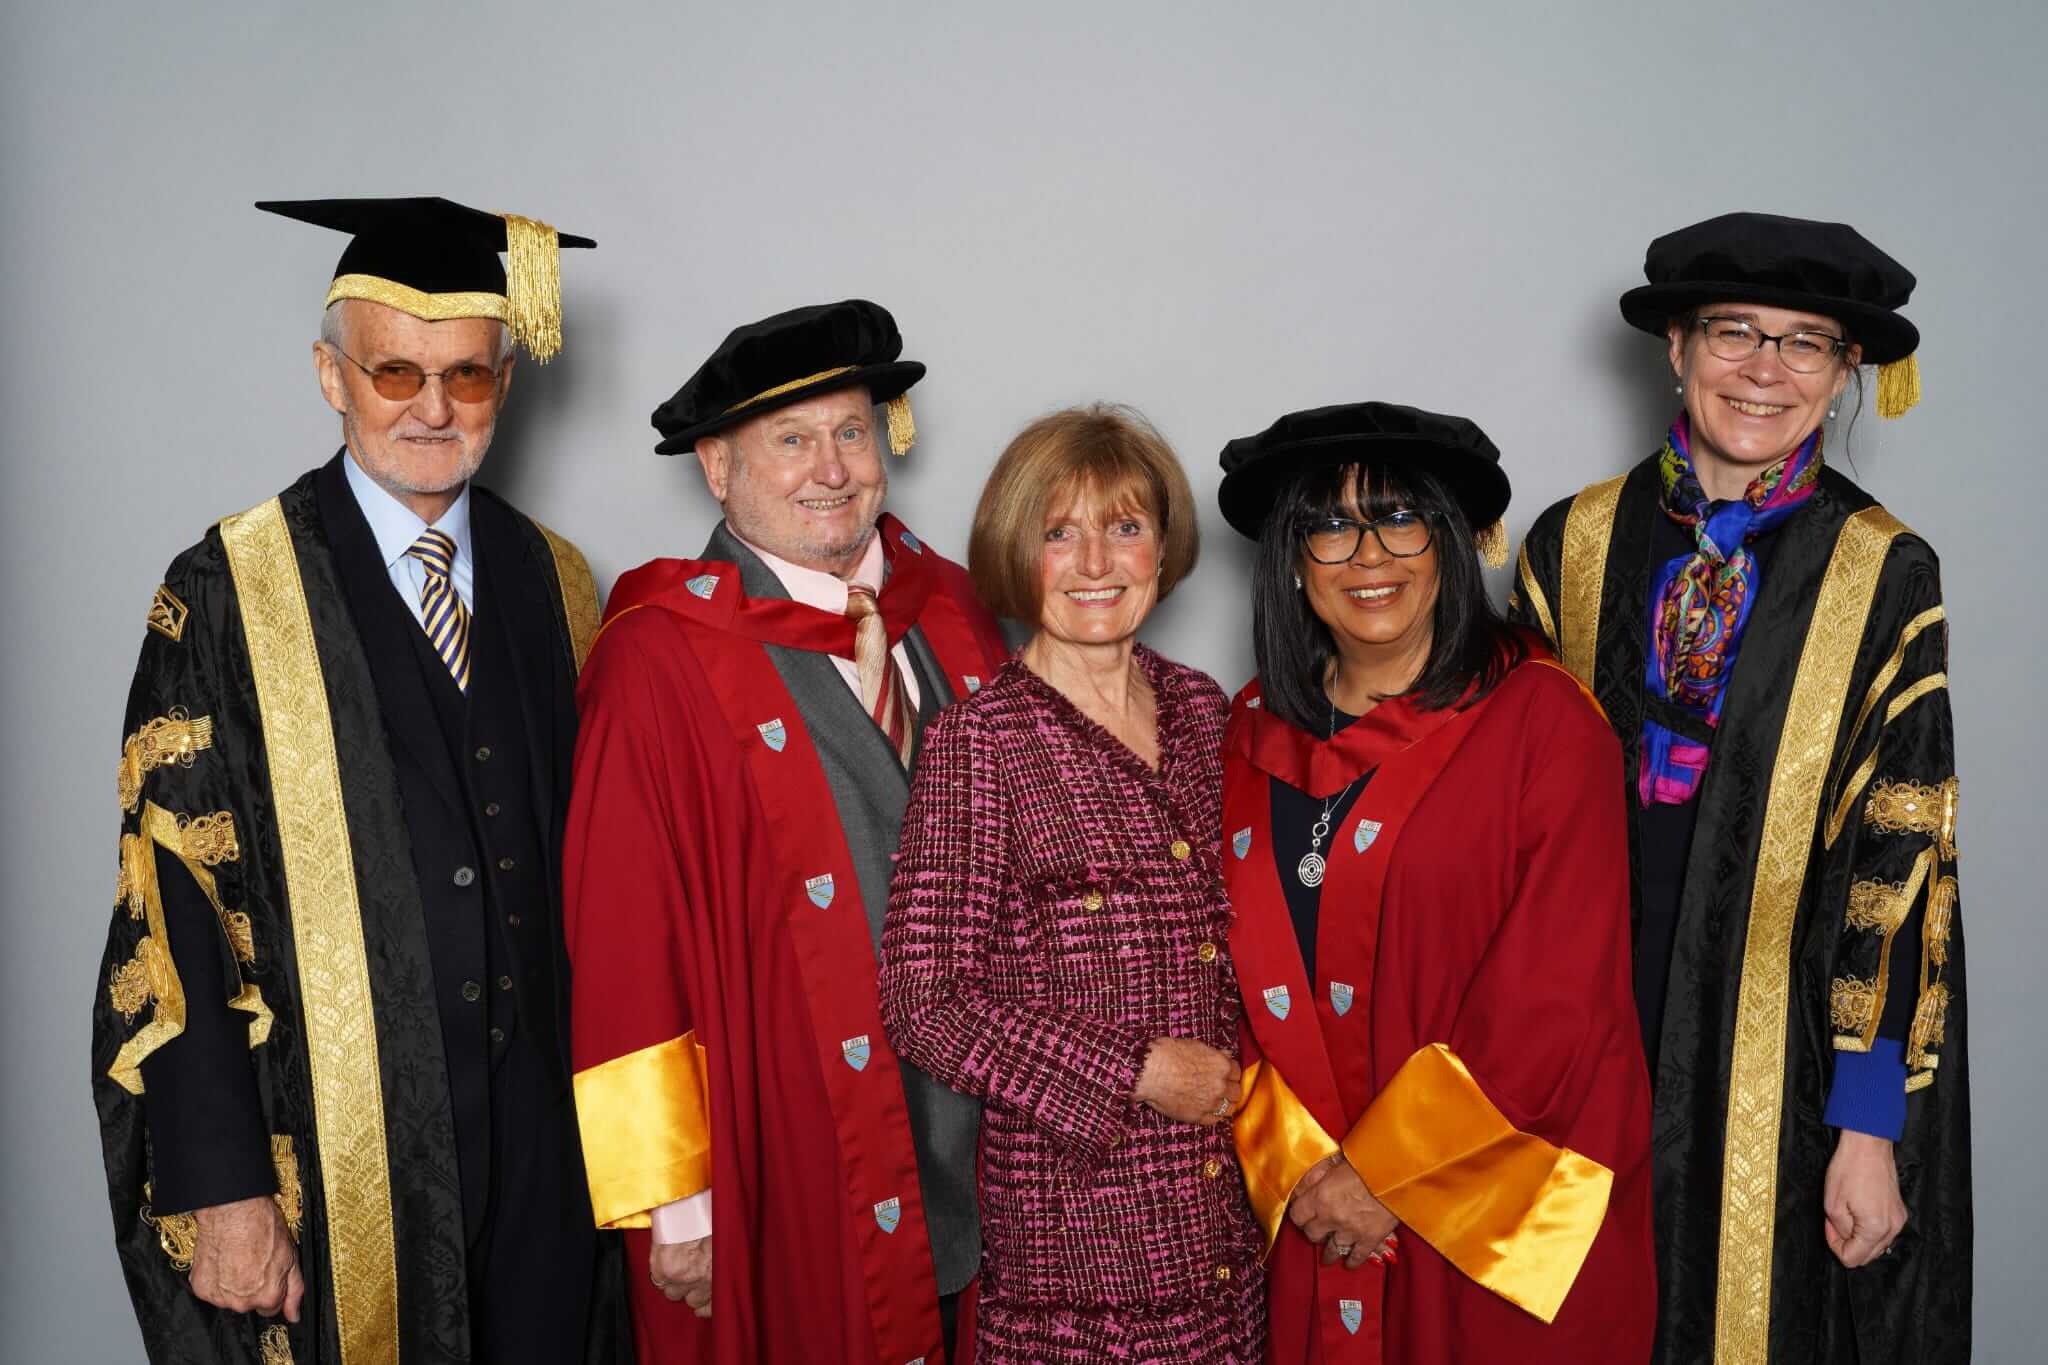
(244, 1261)
(1189, 1081)
(1333, 1207)
(1860, 1200)
(682, 1272)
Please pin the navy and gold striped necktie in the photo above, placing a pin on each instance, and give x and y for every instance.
(441, 611)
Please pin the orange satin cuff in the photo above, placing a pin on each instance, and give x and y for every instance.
(646, 1123)
(1278, 1141)
(1513, 1212)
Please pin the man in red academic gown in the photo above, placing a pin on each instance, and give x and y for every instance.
(749, 720)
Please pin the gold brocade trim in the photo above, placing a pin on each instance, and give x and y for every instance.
(291, 1203)
(241, 933)
(167, 614)
(327, 929)
(275, 1345)
(176, 1233)
(1930, 1023)
(153, 968)
(791, 387)
(1941, 911)
(210, 839)
(646, 1122)
(1878, 906)
(1538, 603)
(1853, 1005)
(1847, 793)
(1588, 528)
(1916, 808)
(1919, 1080)
(1881, 681)
(174, 737)
(424, 306)
(579, 593)
(1749, 1175)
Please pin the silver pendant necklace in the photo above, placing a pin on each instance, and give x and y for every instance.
(1309, 871)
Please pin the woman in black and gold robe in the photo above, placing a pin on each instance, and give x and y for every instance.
(1798, 949)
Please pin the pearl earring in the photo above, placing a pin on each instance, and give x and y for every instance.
(1678, 389)
(1833, 412)
(1297, 582)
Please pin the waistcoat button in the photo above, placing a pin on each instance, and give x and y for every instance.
(471, 991)
(464, 876)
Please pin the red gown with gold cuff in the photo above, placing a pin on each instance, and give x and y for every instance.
(1469, 1039)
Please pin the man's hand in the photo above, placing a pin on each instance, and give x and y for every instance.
(1188, 1081)
(244, 1260)
(1860, 1200)
(1332, 1206)
(682, 1272)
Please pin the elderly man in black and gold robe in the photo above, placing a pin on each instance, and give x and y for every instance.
(330, 1041)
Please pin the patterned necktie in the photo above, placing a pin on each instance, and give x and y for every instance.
(441, 611)
(881, 682)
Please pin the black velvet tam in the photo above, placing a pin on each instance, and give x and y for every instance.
(1760, 258)
(785, 359)
(429, 244)
(1452, 448)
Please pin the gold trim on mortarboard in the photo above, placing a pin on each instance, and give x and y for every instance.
(424, 306)
(902, 426)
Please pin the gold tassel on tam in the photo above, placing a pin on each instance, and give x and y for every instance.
(1898, 386)
(1493, 544)
(902, 426)
(533, 286)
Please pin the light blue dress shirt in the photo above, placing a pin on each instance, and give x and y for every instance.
(397, 527)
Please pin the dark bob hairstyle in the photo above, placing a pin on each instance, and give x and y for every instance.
(1473, 647)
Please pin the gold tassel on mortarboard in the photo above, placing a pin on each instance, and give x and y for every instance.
(1898, 386)
(1493, 544)
(533, 286)
(902, 426)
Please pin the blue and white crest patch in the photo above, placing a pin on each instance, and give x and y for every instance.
(1254, 702)
(973, 682)
(856, 1051)
(888, 1214)
(1340, 998)
(703, 585)
(912, 543)
(772, 734)
(1278, 1001)
(1362, 837)
(1241, 842)
(819, 889)
(1351, 1312)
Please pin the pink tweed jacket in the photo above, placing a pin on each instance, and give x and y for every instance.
(1057, 906)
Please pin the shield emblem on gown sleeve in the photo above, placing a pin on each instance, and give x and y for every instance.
(857, 1051)
(772, 734)
(1340, 998)
(1351, 1312)
(1241, 842)
(973, 682)
(1277, 1001)
(888, 1214)
(1362, 837)
(703, 585)
(819, 889)
(912, 543)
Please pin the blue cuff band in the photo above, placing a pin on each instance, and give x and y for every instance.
(1869, 1094)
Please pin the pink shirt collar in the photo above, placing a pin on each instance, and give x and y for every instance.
(816, 588)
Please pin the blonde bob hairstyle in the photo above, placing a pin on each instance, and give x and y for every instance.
(1106, 457)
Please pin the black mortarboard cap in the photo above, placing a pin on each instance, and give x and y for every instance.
(1454, 449)
(787, 358)
(437, 259)
(1761, 258)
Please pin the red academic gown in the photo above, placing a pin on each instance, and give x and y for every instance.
(1469, 1041)
(723, 966)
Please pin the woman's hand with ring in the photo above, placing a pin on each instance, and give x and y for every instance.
(1188, 1081)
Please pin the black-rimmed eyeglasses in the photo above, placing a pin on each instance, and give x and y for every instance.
(1333, 540)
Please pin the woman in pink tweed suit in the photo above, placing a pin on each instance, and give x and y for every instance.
(1057, 932)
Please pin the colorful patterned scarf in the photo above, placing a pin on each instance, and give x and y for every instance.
(1700, 602)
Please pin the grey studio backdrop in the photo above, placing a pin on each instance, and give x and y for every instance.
(1214, 212)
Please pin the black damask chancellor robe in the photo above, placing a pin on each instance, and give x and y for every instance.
(274, 1011)
(1815, 903)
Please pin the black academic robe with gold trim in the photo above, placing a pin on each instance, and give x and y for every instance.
(268, 900)
(1818, 900)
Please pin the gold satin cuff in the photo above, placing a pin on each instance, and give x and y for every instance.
(1278, 1142)
(646, 1121)
(1511, 1211)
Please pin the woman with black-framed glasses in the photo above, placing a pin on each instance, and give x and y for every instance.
(1446, 1119)
(1771, 648)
